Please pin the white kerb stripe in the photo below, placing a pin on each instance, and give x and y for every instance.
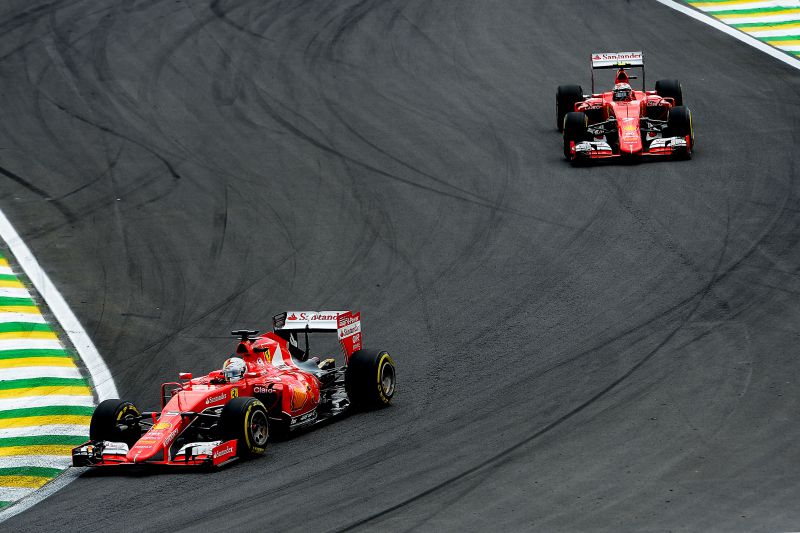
(47, 461)
(30, 344)
(774, 33)
(752, 5)
(6, 270)
(14, 292)
(69, 475)
(10, 494)
(27, 402)
(27, 372)
(789, 47)
(747, 39)
(54, 429)
(28, 318)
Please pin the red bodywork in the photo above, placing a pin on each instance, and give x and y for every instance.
(289, 389)
(634, 137)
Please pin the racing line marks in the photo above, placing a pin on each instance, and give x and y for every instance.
(772, 26)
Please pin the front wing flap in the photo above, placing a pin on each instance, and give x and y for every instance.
(107, 453)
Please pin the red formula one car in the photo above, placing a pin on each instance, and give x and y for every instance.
(624, 122)
(270, 383)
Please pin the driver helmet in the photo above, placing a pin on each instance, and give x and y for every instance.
(622, 91)
(233, 369)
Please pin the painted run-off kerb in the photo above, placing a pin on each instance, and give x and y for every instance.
(773, 22)
(45, 400)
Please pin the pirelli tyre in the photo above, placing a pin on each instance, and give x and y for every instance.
(670, 89)
(370, 379)
(115, 420)
(679, 124)
(245, 419)
(575, 130)
(566, 98)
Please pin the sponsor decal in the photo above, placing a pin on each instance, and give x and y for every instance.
(292, 317)
(258, 389)
(298, 398)
(308, 417)
(312, 316)
(225, 451)
(170, 437)
(217, 398)
(162, 425)
(616, 56)
(234, 393)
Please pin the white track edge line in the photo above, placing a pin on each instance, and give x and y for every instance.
(733, 32)
(102, 380)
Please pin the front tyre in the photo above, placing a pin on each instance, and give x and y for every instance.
(245, 419)
(576, 126)
(670, 89)
(566, 98)
(679, 124)
(370, 379)
(115, 420)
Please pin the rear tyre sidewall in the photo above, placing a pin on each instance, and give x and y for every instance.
(670, 89)
(370, 379)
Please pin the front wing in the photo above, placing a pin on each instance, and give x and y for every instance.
(107, 453)
(662, 146)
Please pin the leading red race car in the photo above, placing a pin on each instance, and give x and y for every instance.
(270, 383)
(624, 122)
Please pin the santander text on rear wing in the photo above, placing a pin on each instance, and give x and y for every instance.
(618, 60)
(346, 323)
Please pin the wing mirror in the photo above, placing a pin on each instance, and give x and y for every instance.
(251, 374)
(185, 375)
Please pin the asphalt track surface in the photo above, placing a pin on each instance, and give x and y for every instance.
(579, 349)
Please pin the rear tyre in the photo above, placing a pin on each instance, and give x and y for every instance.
(115, 420)
(245, 419)
(679, 124)
(575, 130)
(566, 98)
(670, 89)
(370, 379)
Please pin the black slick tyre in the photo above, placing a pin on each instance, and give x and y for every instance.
(370, 379)
(115, 420)
(670, 89)
(566, 98)
(679, 124)
(575, 130)
(245, 419)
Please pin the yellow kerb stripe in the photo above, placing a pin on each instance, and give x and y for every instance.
(28, 335)
(792, 42)
(731, 16)
(69, 390)
(3, 262)
(45, 449)
(78, 420)
(31, 309)
(702, 5)
(29, 482)
(37, 361)
(13, 283)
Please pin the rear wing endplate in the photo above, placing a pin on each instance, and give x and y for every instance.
(623, 60)
(346, 324)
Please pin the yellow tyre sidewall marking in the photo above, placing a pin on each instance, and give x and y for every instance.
(385, 359)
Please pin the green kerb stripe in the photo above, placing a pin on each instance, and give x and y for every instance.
(782, 38)
(42, 440)
(34, 352)
(3, 505)
(773, 25)
(52, 410)
(8, 277)
(766, 11)
(24, 302)
(41, 382)
(40, 471)
(8, 327)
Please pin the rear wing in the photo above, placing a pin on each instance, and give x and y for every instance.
(618, 60)
(346, 324)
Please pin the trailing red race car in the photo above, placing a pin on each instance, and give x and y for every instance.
(270, 383)
(624, 122)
